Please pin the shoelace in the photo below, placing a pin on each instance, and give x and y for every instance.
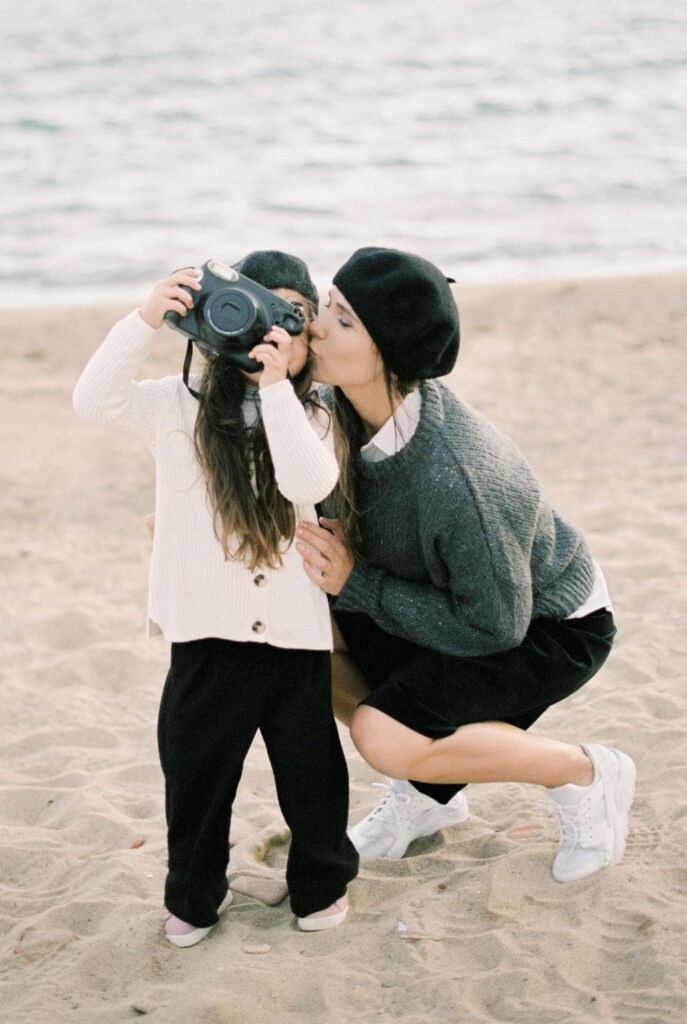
(390, 801)
(576, 824)
(570, 820)
(569, 825)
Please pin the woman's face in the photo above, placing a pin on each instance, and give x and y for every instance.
(299, 349)
(343, 353)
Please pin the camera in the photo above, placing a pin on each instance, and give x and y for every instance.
(231, 314)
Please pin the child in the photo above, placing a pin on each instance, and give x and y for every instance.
(237, 467)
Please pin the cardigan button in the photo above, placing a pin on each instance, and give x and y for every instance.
(258, 627)
(260, 580)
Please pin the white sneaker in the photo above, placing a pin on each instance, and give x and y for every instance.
(593, 818)
(403, 815)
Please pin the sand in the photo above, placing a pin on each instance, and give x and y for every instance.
(589, 378)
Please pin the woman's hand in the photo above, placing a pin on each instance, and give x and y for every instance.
(331, 563)
(274, 358)
(171, 295)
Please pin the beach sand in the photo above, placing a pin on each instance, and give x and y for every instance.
(589, 378)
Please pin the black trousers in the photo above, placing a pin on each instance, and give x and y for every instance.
(218, 693)
(434, 693)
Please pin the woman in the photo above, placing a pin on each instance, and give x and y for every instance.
(465, 604)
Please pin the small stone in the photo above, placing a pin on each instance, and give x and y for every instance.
(524, 830)
(442, 885)
(259, 948)
(135, 843)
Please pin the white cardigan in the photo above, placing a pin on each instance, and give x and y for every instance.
(194, 592)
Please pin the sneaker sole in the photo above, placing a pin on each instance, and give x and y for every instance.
(436, 821)
(322, 924)
(190, 938)
(624, 796)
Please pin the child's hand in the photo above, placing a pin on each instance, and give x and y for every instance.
(169, 295)
(274, 358)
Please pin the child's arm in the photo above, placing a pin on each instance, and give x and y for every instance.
(106, 393)
(305, 468)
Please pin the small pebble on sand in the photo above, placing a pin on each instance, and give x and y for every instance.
(524, 830)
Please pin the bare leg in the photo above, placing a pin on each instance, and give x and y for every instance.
(482, 752)
(348, 683)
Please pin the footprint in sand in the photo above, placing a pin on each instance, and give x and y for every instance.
(66, 630)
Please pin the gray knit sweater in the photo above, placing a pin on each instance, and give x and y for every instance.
(462, 549)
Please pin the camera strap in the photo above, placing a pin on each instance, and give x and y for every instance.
(187, 367)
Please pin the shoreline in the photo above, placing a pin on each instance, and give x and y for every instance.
(93, 298)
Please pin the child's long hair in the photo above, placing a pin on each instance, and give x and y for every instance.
(248, 509)
(349, 437)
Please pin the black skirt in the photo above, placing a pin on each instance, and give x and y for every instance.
(433, 693)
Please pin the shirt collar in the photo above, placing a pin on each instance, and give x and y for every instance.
(393, 436)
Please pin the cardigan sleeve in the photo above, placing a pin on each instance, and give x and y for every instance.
(479, 612)
(106, 393)
(302, 453)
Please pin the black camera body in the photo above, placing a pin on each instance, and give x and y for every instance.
(231, 314)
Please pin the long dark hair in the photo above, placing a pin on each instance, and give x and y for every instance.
(349, 436)
(248, 508)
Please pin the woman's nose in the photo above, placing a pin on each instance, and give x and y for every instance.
(317, 328)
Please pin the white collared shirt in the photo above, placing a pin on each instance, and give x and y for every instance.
(393, 436)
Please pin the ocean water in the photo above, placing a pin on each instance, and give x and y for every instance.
(503, 140)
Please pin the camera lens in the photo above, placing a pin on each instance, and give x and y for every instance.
(293, 322)
(230, 312)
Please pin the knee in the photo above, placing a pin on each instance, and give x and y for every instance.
(373, 736)
(366, 738)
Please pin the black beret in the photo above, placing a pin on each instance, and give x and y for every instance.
(408, 308)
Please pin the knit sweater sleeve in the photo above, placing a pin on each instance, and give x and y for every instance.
(106, 393)
(302, 453)
(480, 610)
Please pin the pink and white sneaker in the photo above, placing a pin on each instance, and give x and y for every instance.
(330, 917)
(181, 933)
